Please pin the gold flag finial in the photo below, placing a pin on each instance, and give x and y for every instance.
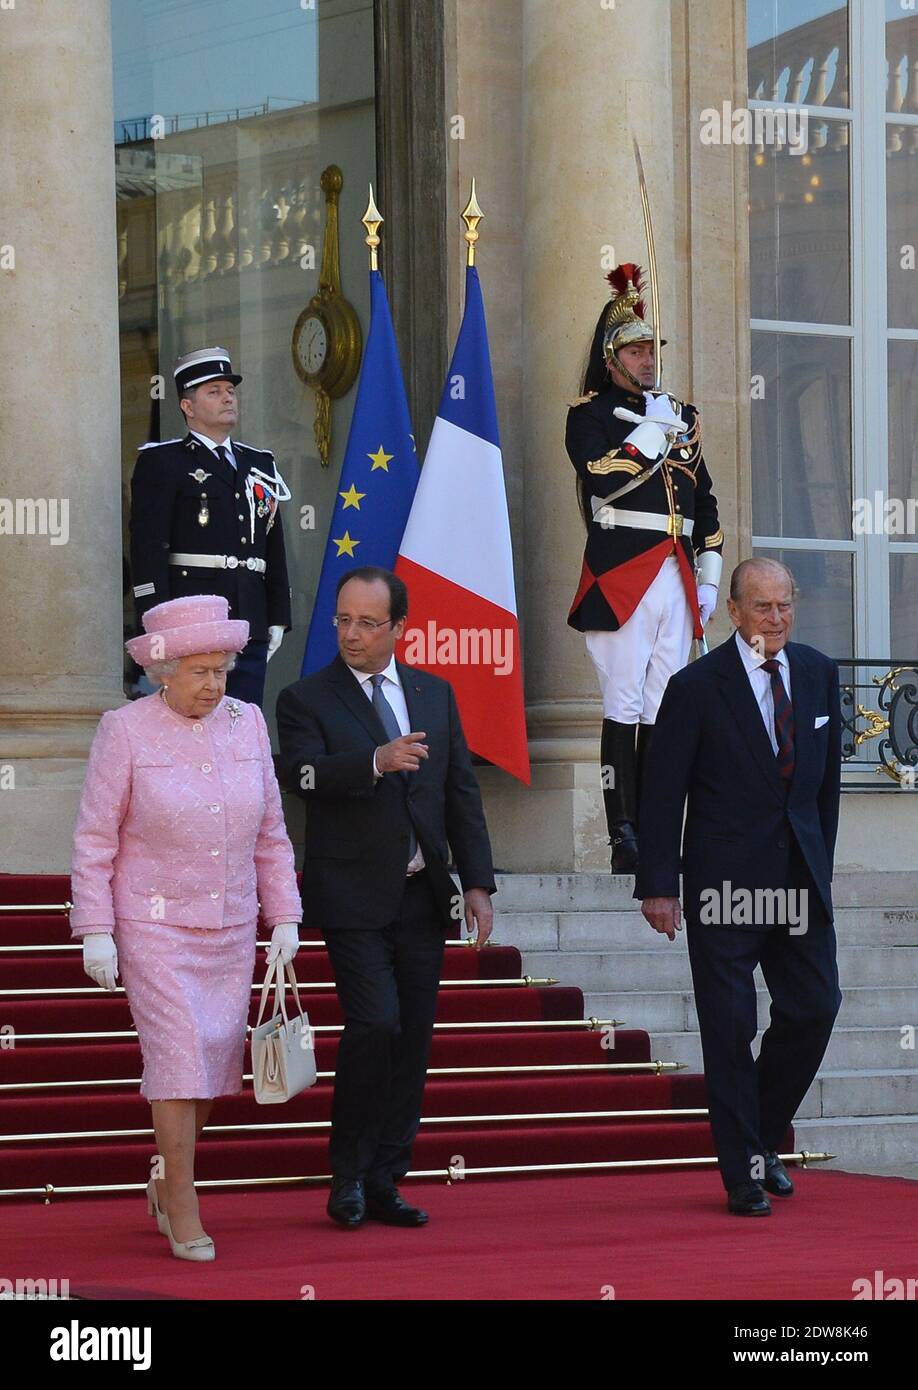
(471, 216)
(372, 219)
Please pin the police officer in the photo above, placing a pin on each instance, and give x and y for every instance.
(654, 545)
(205, 518)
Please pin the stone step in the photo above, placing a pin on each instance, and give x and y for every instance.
(591, 892)
(861, 1142)
(868, 1006)
(653, 967)
(850, 1049)
(836, 1094)
(622, 929)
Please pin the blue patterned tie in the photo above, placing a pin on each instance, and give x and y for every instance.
(389, 722)
(784, 720)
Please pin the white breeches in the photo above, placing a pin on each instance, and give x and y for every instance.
(634, 664)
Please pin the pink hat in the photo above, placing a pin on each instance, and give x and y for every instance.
(187, 627)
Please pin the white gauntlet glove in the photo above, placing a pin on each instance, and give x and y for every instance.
(285, 942)
(100, 959)
(707, 602)
(659, 419)
(275, 637)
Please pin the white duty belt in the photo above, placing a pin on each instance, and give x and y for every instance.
(608, 516)
(218, 562)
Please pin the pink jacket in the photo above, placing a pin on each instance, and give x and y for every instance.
(180, 822)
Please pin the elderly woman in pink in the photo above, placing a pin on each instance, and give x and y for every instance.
(180, 834)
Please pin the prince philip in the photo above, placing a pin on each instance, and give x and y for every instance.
(750, 737)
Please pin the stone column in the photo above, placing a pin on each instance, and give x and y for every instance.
(593, 73)
(60, 570)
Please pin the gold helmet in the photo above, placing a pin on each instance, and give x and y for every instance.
(624, 321)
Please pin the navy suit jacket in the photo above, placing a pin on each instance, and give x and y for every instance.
(358, 828)
(711, 750)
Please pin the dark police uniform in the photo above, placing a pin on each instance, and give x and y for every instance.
(187, 501)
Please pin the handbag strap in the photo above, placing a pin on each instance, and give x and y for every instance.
(278, 975)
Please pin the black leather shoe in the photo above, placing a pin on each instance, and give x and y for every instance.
(748, 1199)
(347, 1203)
(624, 848)
(388, 1205)
(776, 1180)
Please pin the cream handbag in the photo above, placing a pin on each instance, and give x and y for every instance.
(283, 1050)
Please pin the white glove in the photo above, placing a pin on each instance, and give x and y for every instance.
(707, 601)
(285, 942)
(662, 410)
(275, 637)
(660, 420)
(100, 959)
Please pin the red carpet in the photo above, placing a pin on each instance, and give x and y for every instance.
(516, 1077)
(648, 1236)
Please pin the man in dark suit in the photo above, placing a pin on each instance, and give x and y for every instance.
(376, 749)
(751, 735)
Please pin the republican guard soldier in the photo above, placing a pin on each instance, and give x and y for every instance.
(654, 546)
(205, 518)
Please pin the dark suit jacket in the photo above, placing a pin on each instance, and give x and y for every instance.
(711, 748)
(358, 829)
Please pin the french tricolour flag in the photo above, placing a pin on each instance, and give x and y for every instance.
(457, 561)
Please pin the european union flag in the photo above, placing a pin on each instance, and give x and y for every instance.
(378, 478)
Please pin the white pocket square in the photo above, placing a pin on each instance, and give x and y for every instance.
(820, 720)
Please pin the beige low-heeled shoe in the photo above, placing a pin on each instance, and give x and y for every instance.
(154, 1209)
(201, 1248)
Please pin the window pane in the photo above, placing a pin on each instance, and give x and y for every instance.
(801, 436)
(825, 605)
(226, 114)
(902, 225)
(799, 227)
(903, 606)
(798, 51)
(901, 522)
(901, 56)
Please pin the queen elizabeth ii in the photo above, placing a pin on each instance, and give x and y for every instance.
(180, 835)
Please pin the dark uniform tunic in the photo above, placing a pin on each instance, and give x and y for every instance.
(185, 499)
(621, 562)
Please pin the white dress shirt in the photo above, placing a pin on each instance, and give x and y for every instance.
(213, 446)
(761, 683)
(392, 689)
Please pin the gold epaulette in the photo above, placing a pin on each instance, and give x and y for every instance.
(582, 400)
(613, 461)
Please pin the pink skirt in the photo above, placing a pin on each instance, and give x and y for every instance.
(189, 990)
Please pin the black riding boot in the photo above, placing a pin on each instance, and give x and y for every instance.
(619, 768)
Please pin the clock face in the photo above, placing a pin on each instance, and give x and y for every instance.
(313, 345)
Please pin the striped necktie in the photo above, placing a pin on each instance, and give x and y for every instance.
(784, 720)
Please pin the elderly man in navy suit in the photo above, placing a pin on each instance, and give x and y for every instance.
(750, 737)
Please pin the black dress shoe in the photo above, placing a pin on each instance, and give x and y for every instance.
(624, 848)
(346, 1203)
(387, 1204)
(776, 1180)
(748, 1199)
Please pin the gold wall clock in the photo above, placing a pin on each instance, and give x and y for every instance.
(327, 341)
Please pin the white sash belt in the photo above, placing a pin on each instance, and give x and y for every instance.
(608, 516)
(217, 562)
